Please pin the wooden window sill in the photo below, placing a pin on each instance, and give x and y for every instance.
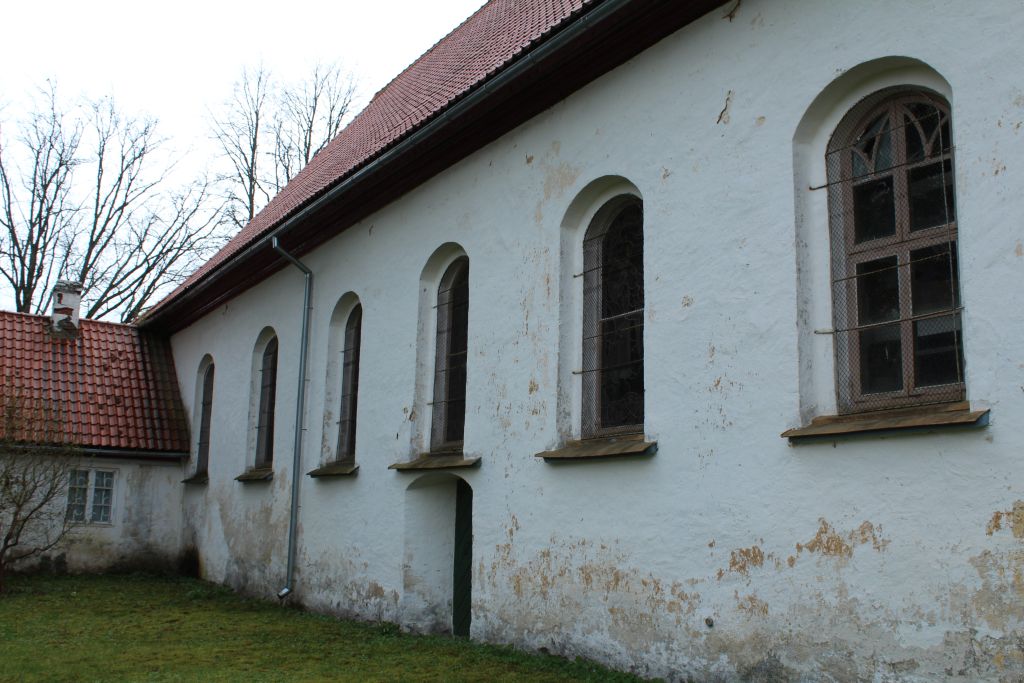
(922, 417)
(256, 474)
(341, 468)
(436, 461)
(197, 478)
(632, 445)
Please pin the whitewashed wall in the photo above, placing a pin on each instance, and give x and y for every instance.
(144, 532)
(890, 558)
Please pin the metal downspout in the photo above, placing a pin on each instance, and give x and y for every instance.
(300, 403)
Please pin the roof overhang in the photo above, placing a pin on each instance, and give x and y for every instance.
(75, 451)
(605, 35)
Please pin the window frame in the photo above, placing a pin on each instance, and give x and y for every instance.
(441, 415)
(593, 335)
(349, 399)
(89, 502)
(205, 419)
(847, 254)
(267, 404)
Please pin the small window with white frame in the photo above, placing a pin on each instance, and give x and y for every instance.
(91, 496)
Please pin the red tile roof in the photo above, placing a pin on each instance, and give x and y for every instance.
(481, 46)
(112, 387)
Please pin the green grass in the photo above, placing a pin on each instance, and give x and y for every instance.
(141, 628)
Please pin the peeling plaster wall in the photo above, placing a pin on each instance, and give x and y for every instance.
(729, 555)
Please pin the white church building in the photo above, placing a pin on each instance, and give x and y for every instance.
(643, 331)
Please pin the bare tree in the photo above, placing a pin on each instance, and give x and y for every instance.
(268, 131)
(34, 477)
(309, 114)
(239, 133)
(86, 196)
(36, 201)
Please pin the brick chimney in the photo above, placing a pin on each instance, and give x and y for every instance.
(66, 298)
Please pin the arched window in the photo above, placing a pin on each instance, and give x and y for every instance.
(205, 413)
(449, 408)
(350, 386)
(265, 416)
(895, 289)
(613, 320)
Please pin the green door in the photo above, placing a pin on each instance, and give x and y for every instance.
(462, 582)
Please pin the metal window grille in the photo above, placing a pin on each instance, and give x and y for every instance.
(613, 320)
(78, 493)
(206, 410)
(895, 287)
(268, 391)
(449, 406)
(350, 385)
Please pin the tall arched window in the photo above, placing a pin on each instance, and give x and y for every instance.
(449, 408)
(350, 386)
(895, 289)
(205, 414)
(613, 320)
(265, 416)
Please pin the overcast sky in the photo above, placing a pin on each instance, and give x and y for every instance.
(175, 59)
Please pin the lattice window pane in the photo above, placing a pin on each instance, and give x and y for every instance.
(206, 412)
(895, 289)
(613, 321)
(78, 492)
(102, 496)
(350, 385)
(449, 406)
(268, 391)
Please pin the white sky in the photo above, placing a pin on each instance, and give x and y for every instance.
(173, 60)
(177, 60)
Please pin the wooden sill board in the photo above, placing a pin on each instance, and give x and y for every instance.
(431, 461)
(613, 447)
(260, 474)
(946, 415)
(334, 469)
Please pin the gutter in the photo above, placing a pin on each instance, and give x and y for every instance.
(468, 101)
(300, 403)
(72, 450)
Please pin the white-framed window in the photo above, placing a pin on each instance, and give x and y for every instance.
(91, 496)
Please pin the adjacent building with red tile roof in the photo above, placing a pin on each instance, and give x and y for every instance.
(109, 389)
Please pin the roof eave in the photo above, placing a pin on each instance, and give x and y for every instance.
(604, 36)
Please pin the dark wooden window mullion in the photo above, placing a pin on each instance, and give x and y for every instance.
(906, 322)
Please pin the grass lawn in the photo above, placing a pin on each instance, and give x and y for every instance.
(141, 628)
